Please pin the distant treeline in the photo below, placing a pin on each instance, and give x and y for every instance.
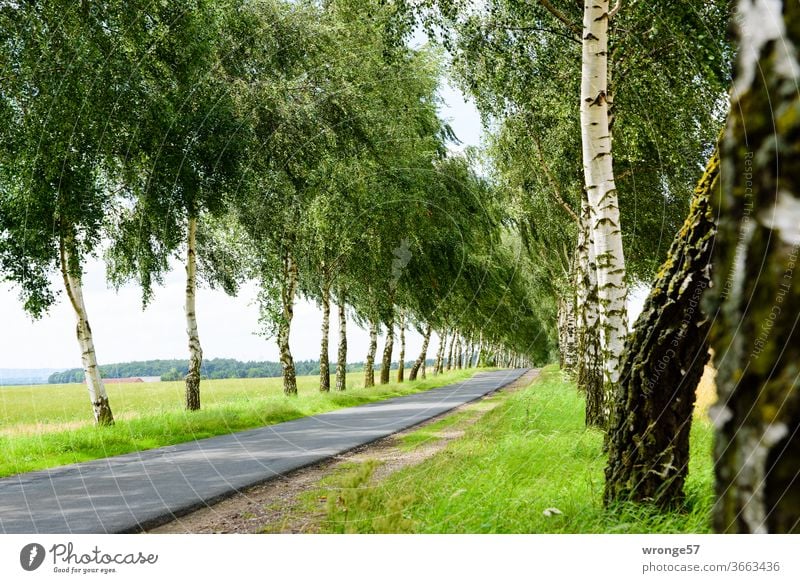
(215, 368)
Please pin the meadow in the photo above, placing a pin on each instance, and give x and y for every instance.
(43, 426)
(529, 465)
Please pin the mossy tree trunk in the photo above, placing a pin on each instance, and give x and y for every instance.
(756, 336)
(648, 439)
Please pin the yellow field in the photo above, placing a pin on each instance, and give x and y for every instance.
(706, 392)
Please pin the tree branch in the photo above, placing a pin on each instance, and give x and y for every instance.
(614, 10)
(560, 16)
(555, 190)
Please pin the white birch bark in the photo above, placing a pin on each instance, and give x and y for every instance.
(94, 383)
(195, 351)
(419, 364)
(289, 286)
(341, 358)
(369, 363)
(324, 357)
(401, 363)
(602, 193)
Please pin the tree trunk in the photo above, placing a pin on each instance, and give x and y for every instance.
(450, 353)
(458, 352)
(401, 366)
(195, 351)
(369, 363)
(590, 371)
(324, 358)
(480, 350)
(341, 361)
(94, 383)
(437, 366)
(386, 362)
(648, 446)
(567, 336)
(288, 288)
(420, 362)
(756, 336)
(602, 194)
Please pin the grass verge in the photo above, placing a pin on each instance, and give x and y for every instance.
(527, 455)
(46, 426)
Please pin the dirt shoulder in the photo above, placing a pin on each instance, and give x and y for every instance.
(278, 505)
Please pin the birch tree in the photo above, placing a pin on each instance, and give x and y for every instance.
(182, 157)
(601, 191)
(756, 281)
(648, 445)
(519, 59)
(60, 110)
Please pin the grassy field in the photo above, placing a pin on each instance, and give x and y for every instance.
(45, 426)
(529, 454)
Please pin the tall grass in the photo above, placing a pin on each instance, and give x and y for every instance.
(528, 455)
(45, 426)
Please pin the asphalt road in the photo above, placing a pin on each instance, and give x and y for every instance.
(132, 492)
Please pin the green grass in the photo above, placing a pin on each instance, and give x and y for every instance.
(530, 453)
(45, 426)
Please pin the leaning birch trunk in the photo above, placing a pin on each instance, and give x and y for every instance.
(420, 362)
(401, 363)
(386, 362)
(756, 293)
(288, 288)
(369, 363)
(324, 358)
(590, 361)
(94, 383)
(648, 445)
(195, 351)
(468, 353)
(457, 353)
(602, 193)
(341, 360)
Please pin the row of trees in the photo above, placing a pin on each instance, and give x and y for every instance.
(294, 144)
(229, 368)
(729, 281)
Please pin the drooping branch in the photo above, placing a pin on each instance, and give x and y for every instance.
(555, 190)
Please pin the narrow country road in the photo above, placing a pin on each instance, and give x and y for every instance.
(132, 492)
